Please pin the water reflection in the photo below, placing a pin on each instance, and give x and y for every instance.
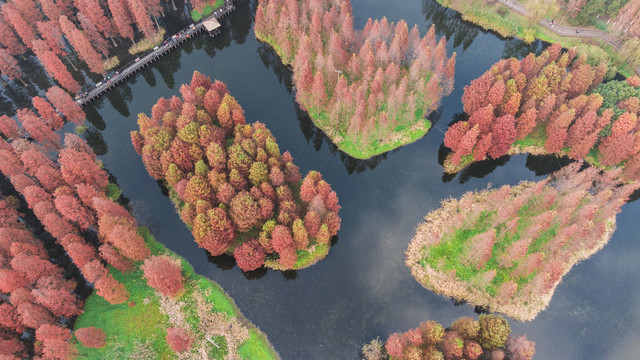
(546, 164)
(169, 65)
(517, 48)
(94, 138)
(270, 59)
(449, 23)
(119, 97)
(94, 117)
(149, 77)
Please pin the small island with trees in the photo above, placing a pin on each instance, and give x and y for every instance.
(507, 249)
(370, 90)
(230, 183)
(554, 103)
(466, 338)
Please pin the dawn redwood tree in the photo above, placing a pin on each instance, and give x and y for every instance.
(82, 46)
(178, 339)
(59, 301)
(111, 290)
(38, 129)
(9, 39)
(17, 21)
(47, 112)
(59, 71)
(122, 18)
(163, 274)
(250, 255)
(80, 168)
(66, 105)
(141, 17)
(91, 337)
(9, 66)
(29, 10)
(92, 10)
(55, 342)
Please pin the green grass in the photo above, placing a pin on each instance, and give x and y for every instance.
(142, 327)
(208, 10)
(454, 248)
(126, 327)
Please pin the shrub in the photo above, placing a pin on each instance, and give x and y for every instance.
(163, 275)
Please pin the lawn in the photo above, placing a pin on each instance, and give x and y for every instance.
(137, 329)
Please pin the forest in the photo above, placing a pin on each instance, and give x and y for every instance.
(488, 337)
(369, 90)
(230, 183)
(554, 103)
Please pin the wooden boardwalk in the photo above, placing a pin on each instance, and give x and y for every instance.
(152, 56)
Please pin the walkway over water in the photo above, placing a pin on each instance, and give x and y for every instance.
(155, 54)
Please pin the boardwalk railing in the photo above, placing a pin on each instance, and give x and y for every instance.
(152, 56)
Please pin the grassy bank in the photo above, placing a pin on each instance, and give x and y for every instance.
(508, 23)
(137, 329)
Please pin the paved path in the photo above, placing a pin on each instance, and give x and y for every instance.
(151, 56)
(569, 31)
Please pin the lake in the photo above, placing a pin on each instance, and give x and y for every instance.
(363, 289)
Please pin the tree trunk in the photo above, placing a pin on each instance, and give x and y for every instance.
(70, 63)
(174, 5)
(113, 41)
(24, 83)
(156, 20)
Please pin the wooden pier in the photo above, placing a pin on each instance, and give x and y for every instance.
(158, 52)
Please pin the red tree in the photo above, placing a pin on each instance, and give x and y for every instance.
(81, 253)
(81, 45)
(250, 255)
(55, 342)
(18, 22)
(9, 65)
(139, 12)
(115, 259)
(66, 105)
(33, 315)
(121, 18)
(91, 337)
(38, 129)
(71, 208)
(10, 319)
(111, 290)
(46, 111)
(11, 280)
(80, 168)
(9, 39)
(504, 134)
(59, 302)
(59, 71)
(178, 339)
(163, 275)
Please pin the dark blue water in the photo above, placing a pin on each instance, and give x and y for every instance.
(363, 289)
